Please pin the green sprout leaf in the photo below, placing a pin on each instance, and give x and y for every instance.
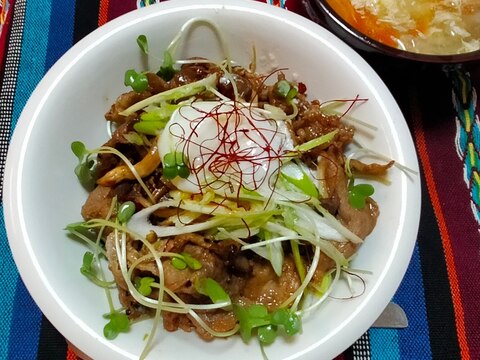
(138, 81)
(125, 211)
(178, 263)
(143, 43)
(191, 262)
(358, 194)
(118, 323)
(293, 325)
(76, 226)
(85, 169)
(212, 289)
(143, 285)
(175, 164)
(257, 318)
(79, 149)
(167, 71)
(184, 260)
(86, 268)
(251, 317)
(267, 334)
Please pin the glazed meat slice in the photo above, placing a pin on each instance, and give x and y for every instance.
(155, 85)
(183, 281)
(264, 286)
(360, 221)
(217, 320)
(99, 201)
(313, 123)
(122, 103)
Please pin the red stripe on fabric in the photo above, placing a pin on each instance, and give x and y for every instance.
(120, 7)
(103, 12)
(447, 246)
(71, 354)
(6, 23)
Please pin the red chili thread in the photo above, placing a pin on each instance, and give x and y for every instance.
(228, 157)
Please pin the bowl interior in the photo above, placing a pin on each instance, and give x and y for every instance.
(42, 194)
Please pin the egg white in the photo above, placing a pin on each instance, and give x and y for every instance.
(228, 145)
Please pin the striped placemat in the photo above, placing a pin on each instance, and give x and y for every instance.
(441, 288)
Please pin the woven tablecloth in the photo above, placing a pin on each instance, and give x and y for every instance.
(441, 290)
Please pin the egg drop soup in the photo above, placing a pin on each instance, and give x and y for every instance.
(436, 27)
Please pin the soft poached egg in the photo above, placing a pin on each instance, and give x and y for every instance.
(228, 145)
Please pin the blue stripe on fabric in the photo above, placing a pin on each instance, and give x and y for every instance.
(26, 321)
(34, 48)
(384, 344)
(410, 343)
(414, 340)
(60, 35)
(9, 282)
(31, 69)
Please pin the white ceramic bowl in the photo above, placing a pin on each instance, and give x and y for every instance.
(42, 194)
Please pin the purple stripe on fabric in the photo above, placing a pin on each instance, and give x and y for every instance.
(120, 7)
(25, 329)
(455, 200)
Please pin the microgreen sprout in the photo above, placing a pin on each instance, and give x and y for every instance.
(178, 263)
(125, 211)
(267, 334)
(184, 260)
(143, 285)
(288, 319)
(142, 43)
(138, 81)
(167, 71)
(358, 194)
(175, 164)
(212, 289)
(85, 170)
(118, 322)
(88, 270)
(191, 262)
(256, 317)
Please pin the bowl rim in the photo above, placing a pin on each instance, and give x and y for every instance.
(355, 35)
(15, 159)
